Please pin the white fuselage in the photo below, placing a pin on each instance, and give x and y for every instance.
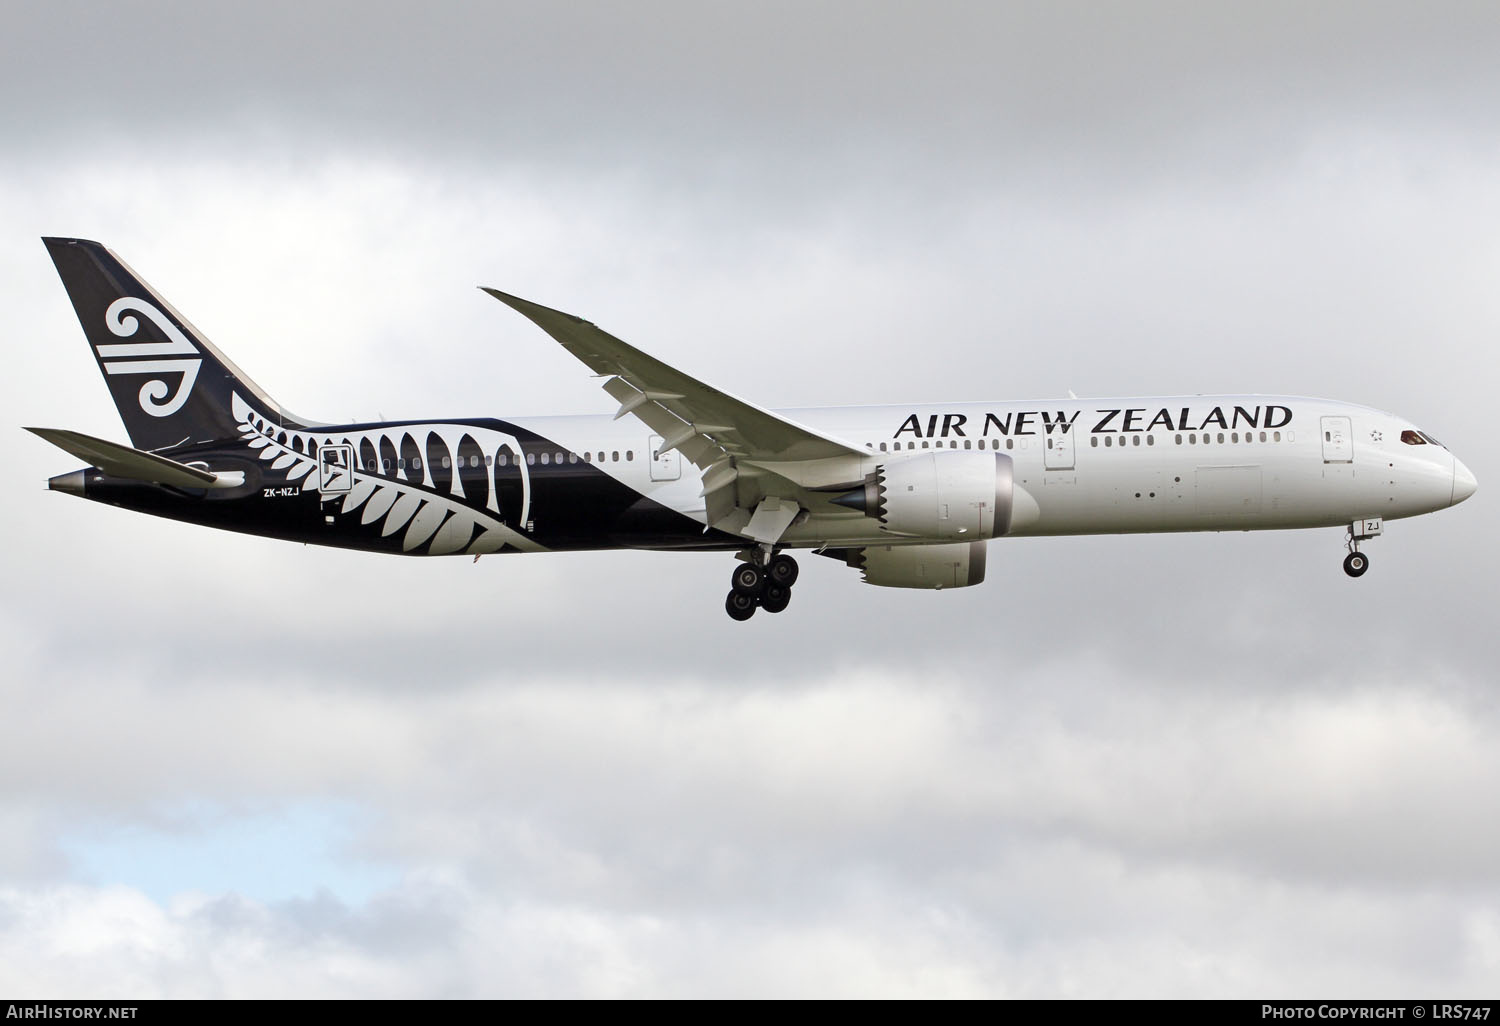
(1104, 466)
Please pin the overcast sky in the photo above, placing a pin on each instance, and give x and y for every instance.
(1192, 765)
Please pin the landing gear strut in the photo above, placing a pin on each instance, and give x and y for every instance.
(763, 581)
(1356, 563)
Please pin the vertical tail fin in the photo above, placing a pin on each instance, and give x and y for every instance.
(169, 382)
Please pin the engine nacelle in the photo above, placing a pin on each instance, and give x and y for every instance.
(948, 494)
(951, 565)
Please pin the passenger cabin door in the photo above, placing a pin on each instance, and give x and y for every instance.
(1058, 454)
(1338, 440)
(666, 466)
(335, 469)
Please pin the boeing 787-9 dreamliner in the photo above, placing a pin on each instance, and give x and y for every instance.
(908, 495)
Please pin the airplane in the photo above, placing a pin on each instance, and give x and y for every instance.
(908, 495)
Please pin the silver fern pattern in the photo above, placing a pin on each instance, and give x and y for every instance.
(429, 503)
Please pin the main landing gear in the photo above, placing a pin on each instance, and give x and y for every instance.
(1356, 563)
(763, 581)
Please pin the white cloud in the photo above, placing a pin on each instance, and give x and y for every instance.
(872, 833)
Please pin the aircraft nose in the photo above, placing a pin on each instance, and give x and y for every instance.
(1463, 482)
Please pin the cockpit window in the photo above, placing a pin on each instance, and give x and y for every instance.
(1420, 438)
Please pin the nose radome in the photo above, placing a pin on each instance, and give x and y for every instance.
(1463, 482)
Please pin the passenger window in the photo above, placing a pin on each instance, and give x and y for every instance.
(1010, 443)
(968, 444)
(1235, 437)
(1262, 436)
(1277, 436)
(546, 456)
(531, 459)
(1192, 439)
(1135, 439)
(1150, 439)
(615, 456)
(629, 455)
(1094, 441)
(882, 447)
(416, 463)
(588, 457)
(1221, 438)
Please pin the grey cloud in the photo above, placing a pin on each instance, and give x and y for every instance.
(1197, 765)
(745, 95)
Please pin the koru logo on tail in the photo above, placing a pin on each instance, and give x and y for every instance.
(157, 397)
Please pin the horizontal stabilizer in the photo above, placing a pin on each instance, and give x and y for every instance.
(122, 461)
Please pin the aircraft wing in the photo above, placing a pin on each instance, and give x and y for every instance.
(739, 447)
(729, 423)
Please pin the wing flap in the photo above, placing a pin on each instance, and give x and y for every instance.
(697, 449)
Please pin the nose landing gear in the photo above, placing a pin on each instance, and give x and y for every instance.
(763, 581)
(1356, 563)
